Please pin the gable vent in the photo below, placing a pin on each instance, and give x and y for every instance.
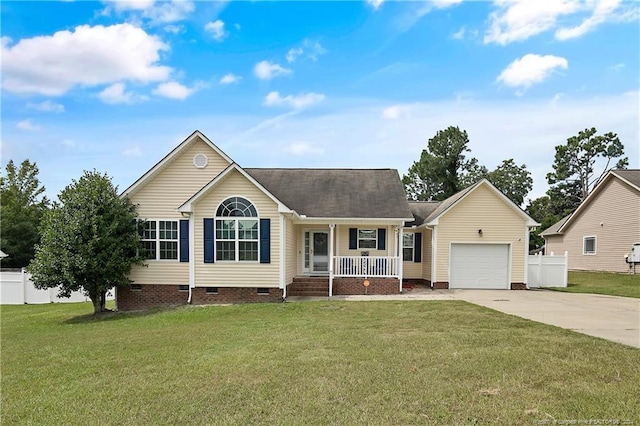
(200, 161)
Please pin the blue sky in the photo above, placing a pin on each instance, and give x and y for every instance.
(116, 85)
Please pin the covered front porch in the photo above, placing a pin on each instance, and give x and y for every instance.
(348, 258)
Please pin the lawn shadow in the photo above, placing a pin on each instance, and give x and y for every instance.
(118, 315)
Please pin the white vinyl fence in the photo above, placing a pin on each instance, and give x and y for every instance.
(16, 288)
(548, 271)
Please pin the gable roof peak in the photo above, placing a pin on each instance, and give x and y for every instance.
(172, 155)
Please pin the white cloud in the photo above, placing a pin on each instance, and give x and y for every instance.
(293, 53)
(173, 90)
(174, 29)
(47, 106)
(415, 10)
(116, 94)
(230, 79)
(396, 111)
(520, 19)
(531, 69)
(303, 148)
(375, 3)
(216, 29)
(124, 5)
(27, 125)
(617, 67)
(266, 70)
(161, 12)
(459, 35)
(296, 102)
(603, 10)
(311, 48)
(88, 56)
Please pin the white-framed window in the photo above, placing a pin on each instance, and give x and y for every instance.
(589, 245)
(160, 239)
(237, 233)
(367, 238)
(407, 247)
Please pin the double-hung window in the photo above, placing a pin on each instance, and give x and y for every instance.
(589, 245)
(237, 234)
(160, 239)
(407, 247)
(367, 238)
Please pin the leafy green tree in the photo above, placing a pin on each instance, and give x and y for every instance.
(575, 161)
(543, 211)
(442, 168)
(89, 241)
(514, 181)
(22, 205)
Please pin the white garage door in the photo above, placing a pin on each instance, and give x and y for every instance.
(484, 266)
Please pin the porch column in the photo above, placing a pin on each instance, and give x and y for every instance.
(331, 260)
(399, 255)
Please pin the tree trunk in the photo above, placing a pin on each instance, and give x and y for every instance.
(95, 299)
(103, 301)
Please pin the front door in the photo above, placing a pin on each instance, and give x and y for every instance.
(316, 252)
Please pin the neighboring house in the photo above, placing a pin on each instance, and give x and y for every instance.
(216, 233)
(603, 228)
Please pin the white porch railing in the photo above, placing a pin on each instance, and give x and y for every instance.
(366, 266)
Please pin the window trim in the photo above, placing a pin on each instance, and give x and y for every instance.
(236, 240)
(413, 239)
(157, 240)
(595, 245)
(374, 238)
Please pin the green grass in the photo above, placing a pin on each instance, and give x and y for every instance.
(397, 363)
(613, 284)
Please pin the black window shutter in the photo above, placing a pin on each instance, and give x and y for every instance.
(353, 238)
(208, 240)
(265, 241)
(417, 247)
(184, 240)
(382, 238)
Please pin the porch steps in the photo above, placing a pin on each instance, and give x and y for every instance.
(309, 286)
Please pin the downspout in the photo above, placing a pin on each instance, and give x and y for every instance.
(283, 257)
(192, 264)
(332, 227)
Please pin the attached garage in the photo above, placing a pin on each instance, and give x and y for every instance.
(479, 266)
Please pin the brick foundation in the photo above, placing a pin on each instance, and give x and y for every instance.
(152, 295)
(350, 286)
(417, 281)
(518, 286)
(441, 285)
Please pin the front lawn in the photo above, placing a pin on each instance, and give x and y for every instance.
(394, 362)
(613, 284)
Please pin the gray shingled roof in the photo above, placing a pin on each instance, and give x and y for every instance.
(553, 229)
(339, 193)
(631, 175)
(421, 210)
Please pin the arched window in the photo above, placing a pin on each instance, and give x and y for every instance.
(236, 207)
(237, 231)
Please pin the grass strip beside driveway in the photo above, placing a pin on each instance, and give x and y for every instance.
(394, 362)
(613, 284)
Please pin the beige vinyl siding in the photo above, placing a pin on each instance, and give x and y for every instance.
(554, 244)
(162, 195)
(236, 274)
(613, 217)
(342, 241)
(291, 250)
(177, 182)
(411, 269)
(482, 209)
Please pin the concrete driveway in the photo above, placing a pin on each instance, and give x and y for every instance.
(609, 317)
